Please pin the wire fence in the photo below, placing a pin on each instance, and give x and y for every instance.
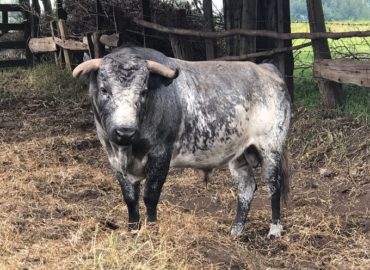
(82, 20)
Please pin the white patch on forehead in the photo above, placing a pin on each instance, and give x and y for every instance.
(125, 113)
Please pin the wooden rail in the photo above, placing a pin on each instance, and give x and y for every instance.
(24, 26)
(13, 45)
(10, 7)
(12, 26)
(343, 71)
(250, 33)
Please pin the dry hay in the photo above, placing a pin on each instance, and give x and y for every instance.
(60, 207)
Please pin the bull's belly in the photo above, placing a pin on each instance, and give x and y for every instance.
(213, 156)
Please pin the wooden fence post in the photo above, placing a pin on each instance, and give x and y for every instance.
(331, 92)
(208, 26)
(27, 14)
(181, 46)
(52, 29)
(5, 20)
(63, 34)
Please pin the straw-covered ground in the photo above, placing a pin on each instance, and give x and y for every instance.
(60, 207)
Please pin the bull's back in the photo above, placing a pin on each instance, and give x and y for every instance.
(225, 107)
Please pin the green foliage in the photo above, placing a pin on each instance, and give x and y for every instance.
(306, 94)
(334, 10)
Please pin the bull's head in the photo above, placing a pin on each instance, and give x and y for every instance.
(119, 91)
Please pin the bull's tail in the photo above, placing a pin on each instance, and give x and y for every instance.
(285, 176)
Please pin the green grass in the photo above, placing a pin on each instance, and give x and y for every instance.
(356, 47)
(306, 89)
(357, 99)
(49, 82)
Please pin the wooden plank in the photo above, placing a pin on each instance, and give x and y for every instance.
(70, 44)
(63, 34)
(12, 45)
(38, 45)
(49, 44)
(10, 7)
(13, 63)
(343, 71)
(11, 26)
(110, 40)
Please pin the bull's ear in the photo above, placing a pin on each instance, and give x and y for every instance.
(156, 81)
(87, 67)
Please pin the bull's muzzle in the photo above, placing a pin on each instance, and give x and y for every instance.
(124, 135)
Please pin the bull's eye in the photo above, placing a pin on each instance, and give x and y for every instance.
(144, 92)
(103, 91)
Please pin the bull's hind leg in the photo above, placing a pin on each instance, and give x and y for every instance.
(131, 194)
(273, 174)
(244, 180)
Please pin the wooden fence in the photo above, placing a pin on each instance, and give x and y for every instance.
(24, 26)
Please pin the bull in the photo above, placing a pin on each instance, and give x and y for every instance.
(153, 112)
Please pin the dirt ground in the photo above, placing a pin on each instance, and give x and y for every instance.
(60, 207)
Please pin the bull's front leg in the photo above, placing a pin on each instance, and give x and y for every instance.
(130, 194)
(156, 172)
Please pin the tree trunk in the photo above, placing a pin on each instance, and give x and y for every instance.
(182, 48)
(35, 21)
(249, 17)
(331, 92)
(47, 7)
(286, 60)
(61, 13)
(145, 4)
(208, 26)
(232, 18)
(274, 15)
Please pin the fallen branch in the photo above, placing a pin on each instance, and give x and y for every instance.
(250, 33)
(264, 53)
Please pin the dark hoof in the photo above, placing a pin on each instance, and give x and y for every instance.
(134, 226)
(151, 218)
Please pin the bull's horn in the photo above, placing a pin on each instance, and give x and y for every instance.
(162, 70)
(86, 67)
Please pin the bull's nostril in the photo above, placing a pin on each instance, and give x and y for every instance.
(125, 132)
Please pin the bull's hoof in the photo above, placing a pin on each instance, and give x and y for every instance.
(237, 231)
(275, 231)
(134, 226)
(151, 218)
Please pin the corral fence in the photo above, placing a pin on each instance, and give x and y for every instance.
(185, 39)
(20, 44)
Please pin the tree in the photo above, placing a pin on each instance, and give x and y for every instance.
(47, 7)
(208, 26)
(331, 92)
(334, 10)
(248, 21)
(232, 18)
